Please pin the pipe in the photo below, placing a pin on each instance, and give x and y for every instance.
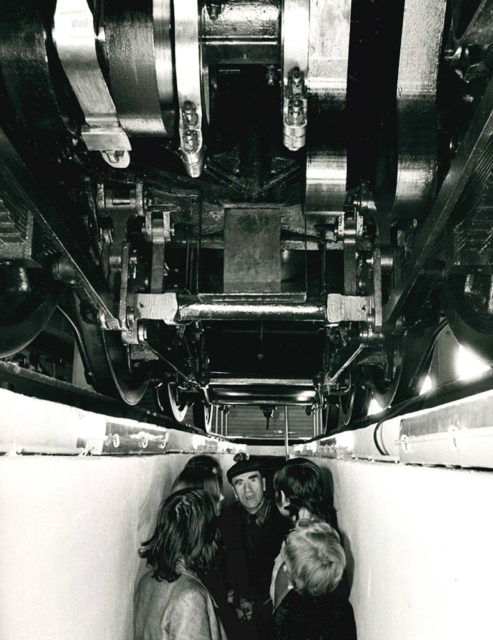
(286, 431)
(191, 312)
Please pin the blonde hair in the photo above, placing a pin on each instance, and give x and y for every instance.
(315, 557)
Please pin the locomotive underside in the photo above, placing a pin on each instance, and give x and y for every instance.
(247, 201)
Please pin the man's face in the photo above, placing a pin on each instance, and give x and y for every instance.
(249, 489)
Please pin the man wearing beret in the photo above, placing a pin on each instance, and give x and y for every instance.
(252, 531)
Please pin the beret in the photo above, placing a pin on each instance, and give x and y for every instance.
(243, 466)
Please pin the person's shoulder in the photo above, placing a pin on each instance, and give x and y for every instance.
(326, 605)
(189, 588)
(150, 589)
(190, 609)
(314, 614)
(342, 616)
(146, 582)
(339, 612)
(190, 582)
(288, 612)
(336, 602)
(292, 600)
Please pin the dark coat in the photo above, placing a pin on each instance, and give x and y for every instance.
(250, 562)
(301, 617)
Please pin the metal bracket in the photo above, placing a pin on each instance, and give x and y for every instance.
(157, 306)
(188, 83)
(342, 308)
(75, 41)
(349, 229)
(161, 232)
(295, 38)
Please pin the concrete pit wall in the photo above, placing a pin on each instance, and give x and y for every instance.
(70, 528)
(418, 541)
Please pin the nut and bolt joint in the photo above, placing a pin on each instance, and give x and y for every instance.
(296, 112)
(190, 141)
(190, 115)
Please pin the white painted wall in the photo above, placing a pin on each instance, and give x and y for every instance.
(420, 547)
(70, 528)
(419, 542)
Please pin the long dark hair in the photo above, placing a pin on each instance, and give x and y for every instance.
(301, 482)
(200, 478)
(186, 532)
(207, 462)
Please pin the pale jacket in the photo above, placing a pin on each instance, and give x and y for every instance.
(179, 610)
(280, 584)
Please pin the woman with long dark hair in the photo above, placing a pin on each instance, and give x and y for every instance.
(171, 601)
(200, 477)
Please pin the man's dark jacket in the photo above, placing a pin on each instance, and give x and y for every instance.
(251, 552)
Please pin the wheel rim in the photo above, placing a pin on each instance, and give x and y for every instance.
(129, 383)
(202, 415)
(411, 359)
(18, 335)
(354, 405)
(168, 401)
(466, 309)
(105, 358)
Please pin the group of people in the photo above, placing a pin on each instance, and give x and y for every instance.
(262, 567)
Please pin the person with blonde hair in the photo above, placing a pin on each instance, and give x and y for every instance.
(315, 562)
(300, 495)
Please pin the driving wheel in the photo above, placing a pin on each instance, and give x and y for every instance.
(468, 305)
(170, 401)
(202, 415)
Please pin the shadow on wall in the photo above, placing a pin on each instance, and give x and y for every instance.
(329, 493)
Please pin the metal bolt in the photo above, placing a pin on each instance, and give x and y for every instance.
(296, 77)
(296, 112)
(130, 317)
(143, 440)
(271, 75)
(190, 116)
(114, 439)
(404, 442)
(142, 332)
(190, 141)
(103, 323)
